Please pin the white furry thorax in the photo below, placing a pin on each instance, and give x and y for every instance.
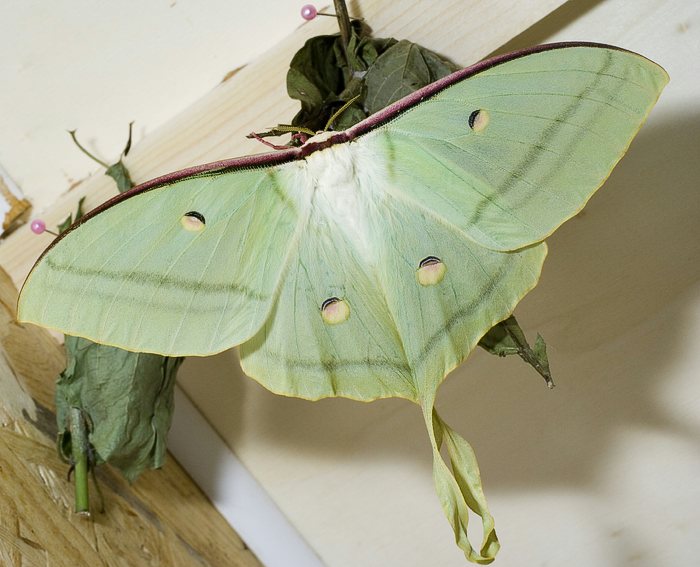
(343, 187)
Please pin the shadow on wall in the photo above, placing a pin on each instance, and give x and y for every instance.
(548, 26)
(631, 256)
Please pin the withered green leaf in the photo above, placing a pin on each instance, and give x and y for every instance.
(507, 338)
(402, 69)
(128, 398)
(69, 220)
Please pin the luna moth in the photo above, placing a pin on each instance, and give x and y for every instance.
(366, 263)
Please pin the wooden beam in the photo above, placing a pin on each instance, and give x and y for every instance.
(255, 97)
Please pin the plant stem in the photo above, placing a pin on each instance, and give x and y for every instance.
(87, 153)
(79, 448)
(341, 12)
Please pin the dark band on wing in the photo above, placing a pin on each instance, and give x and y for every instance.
(486, 294)
(154, 279)
(530, 159)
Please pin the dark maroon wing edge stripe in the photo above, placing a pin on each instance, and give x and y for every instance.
(391, 111)
(368, 124)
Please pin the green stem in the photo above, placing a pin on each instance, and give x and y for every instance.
(128, 141)
(340, 111)
(79, 448)
(344, 24)
(87, 153)
(286, 128)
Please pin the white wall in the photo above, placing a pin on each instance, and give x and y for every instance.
(95, 66)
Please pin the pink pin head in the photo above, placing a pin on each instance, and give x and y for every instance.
(38, 226)
(309, 12)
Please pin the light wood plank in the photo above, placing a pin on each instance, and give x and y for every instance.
(255, 97)
(164, 519)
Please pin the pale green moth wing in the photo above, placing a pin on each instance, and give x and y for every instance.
(367, 263)
(186, 266)
(513, 151)
(144, 281)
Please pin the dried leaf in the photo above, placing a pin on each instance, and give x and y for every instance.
(507, 338)
(69, 220)
(128, 398)
(402, 69)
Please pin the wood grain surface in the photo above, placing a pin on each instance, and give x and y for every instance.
(161, 520)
